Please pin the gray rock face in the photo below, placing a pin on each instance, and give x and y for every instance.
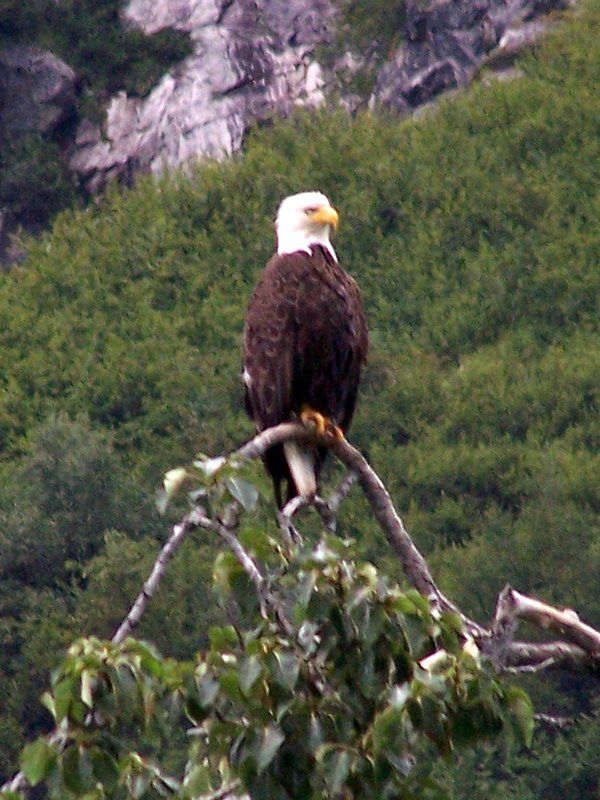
(254, 59)
(37, 90)
(251, 60)
(447, 40)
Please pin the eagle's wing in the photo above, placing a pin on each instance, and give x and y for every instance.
(269, 341)
(358, 347)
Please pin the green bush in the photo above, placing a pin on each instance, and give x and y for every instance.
(35, 182)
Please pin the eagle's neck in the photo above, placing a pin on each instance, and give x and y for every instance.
(292, 241)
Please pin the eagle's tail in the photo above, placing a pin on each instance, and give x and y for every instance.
(302, 468)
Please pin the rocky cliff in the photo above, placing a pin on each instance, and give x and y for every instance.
(254, 59)
(251, 60)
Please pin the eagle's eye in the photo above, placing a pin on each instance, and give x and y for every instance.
(310, 210)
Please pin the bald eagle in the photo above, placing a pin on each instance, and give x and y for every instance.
(305, 341)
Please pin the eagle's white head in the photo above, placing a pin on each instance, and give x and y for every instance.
(304, 219)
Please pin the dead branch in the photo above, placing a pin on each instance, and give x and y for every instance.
(415, 567)
(513, 606)
(289, 531)
(180, 531)
(560, 655)
(342, 492)
(553, 723)
(327, 509)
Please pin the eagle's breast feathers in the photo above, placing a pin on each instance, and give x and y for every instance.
(305, 340)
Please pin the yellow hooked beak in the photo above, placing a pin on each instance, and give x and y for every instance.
(325, 215)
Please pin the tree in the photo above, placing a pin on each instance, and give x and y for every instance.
(330, 680)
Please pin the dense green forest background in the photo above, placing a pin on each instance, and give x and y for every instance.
(473, 233)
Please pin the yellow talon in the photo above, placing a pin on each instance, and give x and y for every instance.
(323, 425)
(309, 416)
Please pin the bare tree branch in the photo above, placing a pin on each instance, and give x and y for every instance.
(513, 606)
(559, 654)
(327, 509)
(289, 531)
(278, 434)
(553, 723)
(180, 531)
(415, 567)
(342, 491)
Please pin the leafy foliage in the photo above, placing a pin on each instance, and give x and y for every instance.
(366, 680)
(34, 179)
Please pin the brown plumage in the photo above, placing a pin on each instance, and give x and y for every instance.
(305, 342)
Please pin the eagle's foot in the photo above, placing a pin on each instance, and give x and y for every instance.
(323, 425)
(336, 432)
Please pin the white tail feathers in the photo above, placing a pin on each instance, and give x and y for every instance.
(302, 466)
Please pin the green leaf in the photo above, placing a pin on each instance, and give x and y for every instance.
(453, 620)
(422, 603)
(140, 785)
(174, 480)
(208, 689)
(522, 709)
(105, 768)
(64, 694)
(249, 672)
(223, 638)
(161, 499)
(399, 695)
(434, 790)
(243, 491)
(210, 466)
(386, 728)
(48, 702)
(76, 770)
(229, 682)
(37, 759)
(87, 682)
(258, 542)
(336, 765)
(289, 669)
(197, 781)
(271, 741)
(166, 785)
(225, 569)
(316, 733)
(304, 590)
